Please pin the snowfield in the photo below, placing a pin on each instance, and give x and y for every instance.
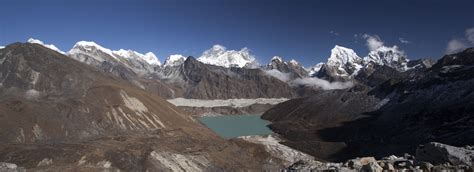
(235, 103)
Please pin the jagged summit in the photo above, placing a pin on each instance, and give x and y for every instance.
(290, 70)
(149, 57)
(218, 55)
(276, 59)
(315, 69)
(388, 56)
(92, 48)
(344, 61)
(174, 60)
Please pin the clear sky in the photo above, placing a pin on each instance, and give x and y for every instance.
(303, 30)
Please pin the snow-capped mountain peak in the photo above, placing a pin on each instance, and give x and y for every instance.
(389, 56)
(276, 59)
(149, 57)
(92, 48)
(175, 60)
(315, 69)
(50, 46)
(294, 62)
(89, 46)
(345, 61)
(218, 55)
(2, 47)
(342, 55)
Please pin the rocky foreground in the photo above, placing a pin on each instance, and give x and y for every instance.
(430, 157)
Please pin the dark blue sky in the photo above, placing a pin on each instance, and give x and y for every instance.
(292, 29)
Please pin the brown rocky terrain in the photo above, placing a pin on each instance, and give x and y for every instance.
(58, 114)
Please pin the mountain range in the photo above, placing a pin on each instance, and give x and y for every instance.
(173, 79)
(99, 108)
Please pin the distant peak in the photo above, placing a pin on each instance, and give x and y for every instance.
(343, 55)
(277, 59)
(50, 46)
(149, 57)
(219, 55)
(294, 62)
(175, 60)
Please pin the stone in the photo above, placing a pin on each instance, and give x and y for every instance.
(388, 167)
(401, 164)
(438, 153)
(372, 167)
(358, 163)
(426, 166)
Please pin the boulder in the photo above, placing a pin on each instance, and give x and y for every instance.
(358, 163)
(425, 166)
(438, 153)
(372, 167)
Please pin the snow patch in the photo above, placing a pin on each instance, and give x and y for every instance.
(236, 103)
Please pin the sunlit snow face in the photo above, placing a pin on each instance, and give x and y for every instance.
(218, 55)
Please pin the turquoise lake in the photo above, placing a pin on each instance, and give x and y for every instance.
(231, 126)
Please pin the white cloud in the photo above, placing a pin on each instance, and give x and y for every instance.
(373, 41)
(285, 77)
(455, 45)
(470, 35)
(320, 83)
(403, 40)
(334, 33)
(459, 44)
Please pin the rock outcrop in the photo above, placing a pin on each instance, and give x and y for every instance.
(438, 153)
(430, 160)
